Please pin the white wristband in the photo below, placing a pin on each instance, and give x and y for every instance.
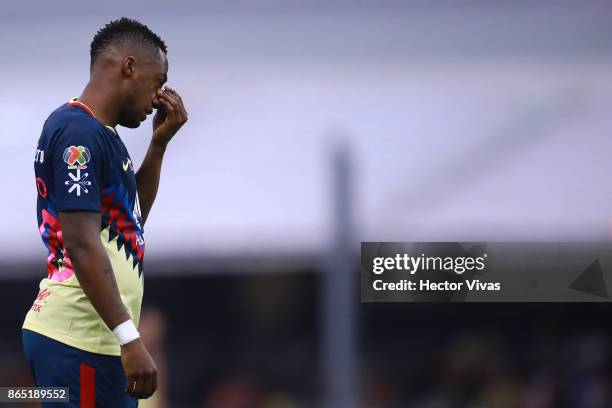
(126, 332)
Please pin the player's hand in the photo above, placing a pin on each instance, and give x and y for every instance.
(140, 370)
(170, 115)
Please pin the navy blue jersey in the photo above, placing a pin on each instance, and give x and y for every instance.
(82, 165)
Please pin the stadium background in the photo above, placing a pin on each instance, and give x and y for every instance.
(317, 125)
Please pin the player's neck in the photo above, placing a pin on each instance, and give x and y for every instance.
(101, 102)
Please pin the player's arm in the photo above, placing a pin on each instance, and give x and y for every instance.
(93, 270)
(81, 233)
(169, 118)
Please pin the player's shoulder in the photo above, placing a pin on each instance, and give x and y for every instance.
(72, 117)
(72, 122)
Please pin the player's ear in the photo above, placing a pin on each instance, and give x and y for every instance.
(129, 65)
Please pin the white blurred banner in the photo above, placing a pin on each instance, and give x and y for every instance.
(466, 121)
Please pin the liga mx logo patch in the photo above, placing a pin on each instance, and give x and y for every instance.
(77, 157)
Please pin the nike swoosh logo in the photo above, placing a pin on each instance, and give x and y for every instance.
(126, 165)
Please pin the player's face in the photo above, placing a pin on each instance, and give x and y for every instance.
(140, 98)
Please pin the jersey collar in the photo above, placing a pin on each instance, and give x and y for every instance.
(75, 102)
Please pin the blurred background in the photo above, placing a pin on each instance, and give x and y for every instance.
(314, 126)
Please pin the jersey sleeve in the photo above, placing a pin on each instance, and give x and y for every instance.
(78, 161)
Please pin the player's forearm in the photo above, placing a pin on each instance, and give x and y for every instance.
(147, 177)
(95, 275)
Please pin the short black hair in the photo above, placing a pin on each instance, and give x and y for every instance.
(124, 29)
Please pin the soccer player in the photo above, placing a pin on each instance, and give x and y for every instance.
(81, 331)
